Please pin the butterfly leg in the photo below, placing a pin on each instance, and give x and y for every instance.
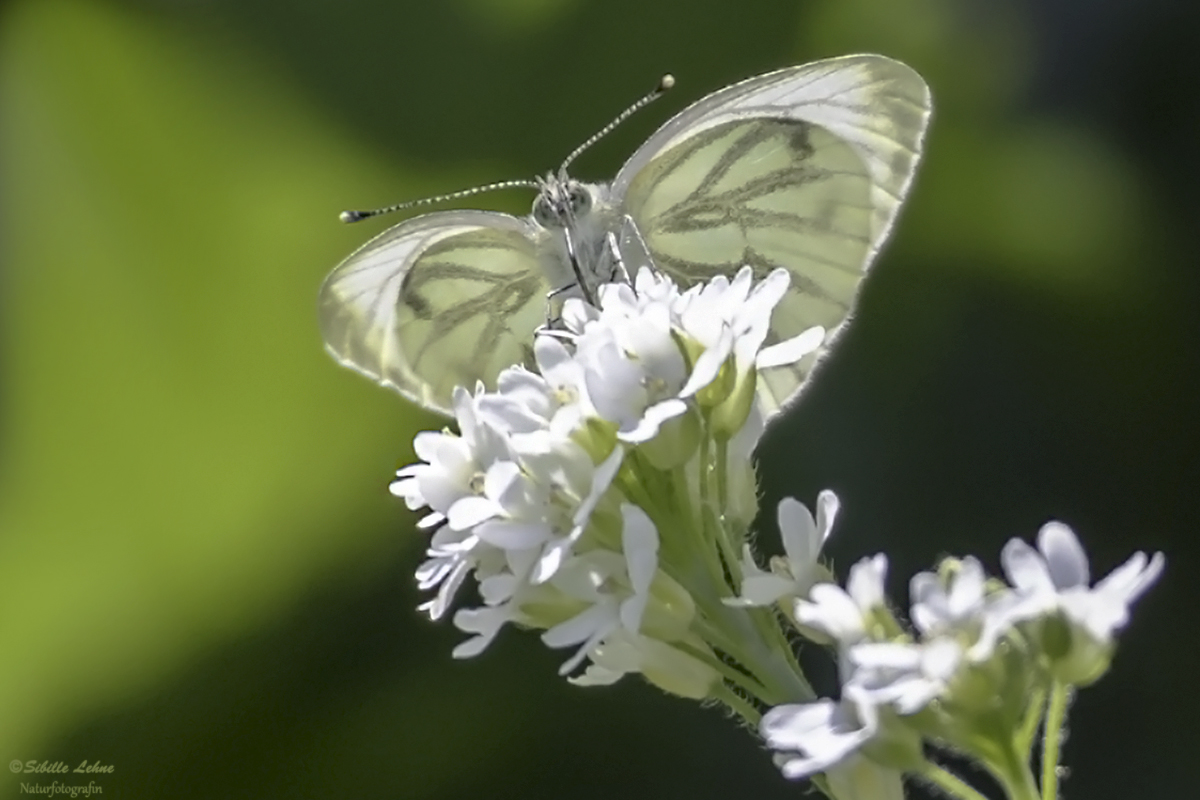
(580, 281)
(618, 272)
(553, 321)
(557, 333)
(632, 244)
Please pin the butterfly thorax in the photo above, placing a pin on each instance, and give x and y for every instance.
(574, 218)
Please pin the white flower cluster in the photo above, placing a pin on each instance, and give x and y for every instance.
(578, 495)
(606, 498)
(982, 659)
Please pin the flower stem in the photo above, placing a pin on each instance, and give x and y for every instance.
(722, 478)
(950, 783)
(1033, 718)
(1015, 775)
(747, 683)
(1056, 715)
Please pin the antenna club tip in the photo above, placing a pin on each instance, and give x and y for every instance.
(351, 216)
(666, 82)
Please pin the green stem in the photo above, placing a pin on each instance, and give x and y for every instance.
(747, 683)
(1029, 725)
(785, 646)
(722, 477)
(726, 548)
(716, 635)
(702, 478)
(1056, 715)
(729, 541)
(732, 631)
(630, 486)
(821, 782)
(684, 510)
(950, 783)
(1015, 775)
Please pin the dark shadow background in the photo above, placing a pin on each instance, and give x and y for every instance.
(203, 581)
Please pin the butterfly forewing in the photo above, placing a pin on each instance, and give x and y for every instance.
(439, 301)
(803, 168)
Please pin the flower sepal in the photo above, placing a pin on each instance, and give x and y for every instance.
(676, 442)
(729, 416)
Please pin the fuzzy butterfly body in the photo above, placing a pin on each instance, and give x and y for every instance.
(804, 168)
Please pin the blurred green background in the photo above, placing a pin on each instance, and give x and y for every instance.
(203, 581)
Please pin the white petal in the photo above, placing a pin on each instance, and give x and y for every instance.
(885, 655)
(1025, 568)
(825, 732)
(498, 589)
(865, 583)
(513, 534)
(764, 589)
(639, 541)
(551, 355)
(708, 365)
(828, 506)
(425, 444)
(1065, 559)
(739, 288)
(602, 478)
(500, 479)
(433, 571)
(430, 521)
(520, 562)
(770, 290)
(631, 611)
(798, 531)
(789, 727)
(552, 558)
(595, 675)
(791, 350)
(410, 490)
(1132, 578)
(833, 612)
(967, 590)
(582, 626)
(652, 419)
(513, 414)
(614, 384)
(470, 511)
(485, 622)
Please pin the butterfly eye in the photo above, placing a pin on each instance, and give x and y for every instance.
(544, 213)
(581, 201)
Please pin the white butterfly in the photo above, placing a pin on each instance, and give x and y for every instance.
(803, 168)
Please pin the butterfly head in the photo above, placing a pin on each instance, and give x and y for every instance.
(561, 201)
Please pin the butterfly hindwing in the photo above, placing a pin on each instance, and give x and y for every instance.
(438, 301)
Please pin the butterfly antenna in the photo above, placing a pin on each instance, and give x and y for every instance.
(355, 216)
(666, 82)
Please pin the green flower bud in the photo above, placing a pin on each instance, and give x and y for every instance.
(730, 415)
(670, 612)
(677, 672)
(676, 442)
